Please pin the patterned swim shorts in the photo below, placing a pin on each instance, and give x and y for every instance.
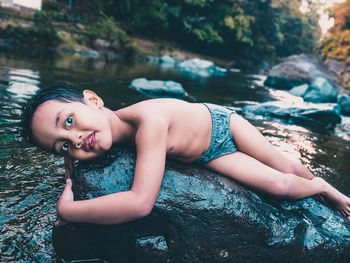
(221, 141)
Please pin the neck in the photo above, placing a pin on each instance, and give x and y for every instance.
(122, 131)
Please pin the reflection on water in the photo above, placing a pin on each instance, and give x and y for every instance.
(31, 180)
(22, 82)
(343, 129)
(27, 194)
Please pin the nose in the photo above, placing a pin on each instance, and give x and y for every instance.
(77, 140)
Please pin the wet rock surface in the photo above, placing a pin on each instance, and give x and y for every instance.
(325, 117)
(158, 88)
(344, 103)
(334, 66)
(200, 216)
(200, 68)
(152, 249)
(321, 90)
(192, 68)
(346, 73)
(297, 70)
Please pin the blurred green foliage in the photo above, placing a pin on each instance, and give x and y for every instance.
(50, 16)
(229, 28)
(106, 28)
(224, 28)
(41, 36)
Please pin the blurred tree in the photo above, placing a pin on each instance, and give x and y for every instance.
(336, 44)
(229, 28)
(297, 32)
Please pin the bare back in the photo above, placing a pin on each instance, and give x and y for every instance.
(189, 125)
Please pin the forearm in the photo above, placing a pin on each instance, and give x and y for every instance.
(110, 209)
(125, 206)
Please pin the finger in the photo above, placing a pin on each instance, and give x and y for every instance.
(69, 183)
(347, 213)
(60, 222)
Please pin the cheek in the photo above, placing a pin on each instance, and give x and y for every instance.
(104, 138)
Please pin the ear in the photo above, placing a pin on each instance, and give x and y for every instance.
(91, 98)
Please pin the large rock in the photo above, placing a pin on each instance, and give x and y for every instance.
(158, 88)
(325, 116)
(335, 66)
(299, 90)
(297, 70)
(101, 44)
(344, 103)
(82, 52)
(346, 73)
(320, 90)
(199, 68)
(346, 79)
(200, 216)
(164, 60)
(347, 63)
(192, 68)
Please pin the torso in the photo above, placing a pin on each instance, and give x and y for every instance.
(189, 125)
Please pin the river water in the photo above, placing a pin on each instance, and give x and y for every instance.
(32, 180)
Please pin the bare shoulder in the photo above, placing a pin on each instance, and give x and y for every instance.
(173, 116)
(154, 110)
(152, 125)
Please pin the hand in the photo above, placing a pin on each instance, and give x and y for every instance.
(68, 165)
(66, 198)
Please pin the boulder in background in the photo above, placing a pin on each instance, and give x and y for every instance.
(158, 88)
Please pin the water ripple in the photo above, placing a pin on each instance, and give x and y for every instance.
(28, 196)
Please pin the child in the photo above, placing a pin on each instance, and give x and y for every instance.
(76, 125)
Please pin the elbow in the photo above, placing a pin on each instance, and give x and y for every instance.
(142, 204)
(144, 209)
(63, 212)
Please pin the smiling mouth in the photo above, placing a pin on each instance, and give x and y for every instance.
(90, 142)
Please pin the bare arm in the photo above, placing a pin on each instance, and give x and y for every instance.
(125, 206)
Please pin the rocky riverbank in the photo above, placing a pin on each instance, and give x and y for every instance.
(307, 77)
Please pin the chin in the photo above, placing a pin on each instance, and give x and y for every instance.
(88, 158)
(105, 147)
(97, 152)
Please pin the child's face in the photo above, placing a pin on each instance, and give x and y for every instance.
(80, 131)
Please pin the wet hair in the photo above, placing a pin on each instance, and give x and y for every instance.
(59, 93)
